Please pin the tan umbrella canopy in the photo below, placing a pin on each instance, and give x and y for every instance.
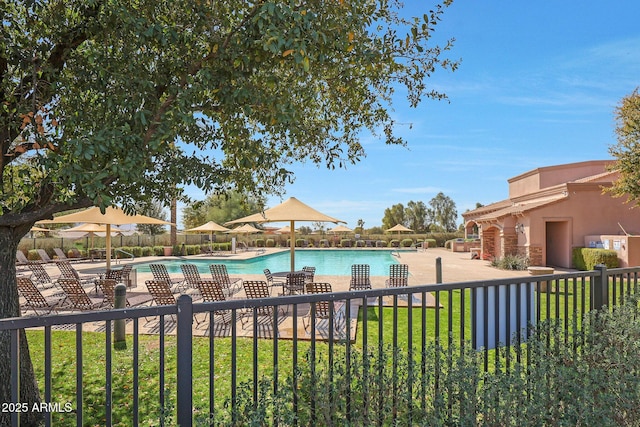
(399, 228)
(111, 216)
(246, 228)
(291, 210)
(340, 229)
(284, 230)
(91, 230)
(209, 227)
(34, 228)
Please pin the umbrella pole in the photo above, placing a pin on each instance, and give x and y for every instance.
(293, 246)
(108, 247)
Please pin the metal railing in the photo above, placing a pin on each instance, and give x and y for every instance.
(483, 314)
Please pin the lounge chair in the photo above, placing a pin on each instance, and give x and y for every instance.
(398, 276)
(220, 275)
(258, 289)
(212, 291)
(44, 256)
(160, 292)
(77, 297)
(21, 258)
(191, 275)
(309, 273)
(120, 275)
(34, 299)
(67, 271)
(160, 273)
(60, 254)
(322, 312)
(108, 289)
(40, 275)
(273, 281)
(295, 284)
(360, 278)
(76, 255)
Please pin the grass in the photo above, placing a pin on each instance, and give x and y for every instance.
(567, 299)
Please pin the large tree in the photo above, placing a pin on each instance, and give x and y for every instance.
(627, 150)
(116, 102)
(417, 215)
(221, 208)
(443, 213)
(393, 216)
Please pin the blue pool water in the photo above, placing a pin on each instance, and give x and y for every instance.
(326, 261)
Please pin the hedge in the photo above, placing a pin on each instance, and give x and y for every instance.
(587, 258)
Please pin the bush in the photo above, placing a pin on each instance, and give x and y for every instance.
(259, 243)
(147, 251)
(270, 243)
(192, 249)
(511, 262)
(432, 242)
(158, 250)
(587, 258)
(406, 243)
(589, 377)
(32, 255)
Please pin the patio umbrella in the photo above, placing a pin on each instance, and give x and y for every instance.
(340, 229)
(399, 228)
(284, 230)
(209, 227)
(90, 229)
(291, 210)
(34, 228)
(111, 216)
(246, 229)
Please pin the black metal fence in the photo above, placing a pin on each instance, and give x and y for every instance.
(484, 315)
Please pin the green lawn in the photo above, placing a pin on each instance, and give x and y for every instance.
(567, 300)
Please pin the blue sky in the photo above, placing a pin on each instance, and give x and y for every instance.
(537, 86)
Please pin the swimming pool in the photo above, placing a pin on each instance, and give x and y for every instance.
(326, 261)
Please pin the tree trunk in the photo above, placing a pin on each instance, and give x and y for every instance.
(174, 222)
(10, 307)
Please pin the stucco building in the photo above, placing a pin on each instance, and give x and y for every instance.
(551, 210)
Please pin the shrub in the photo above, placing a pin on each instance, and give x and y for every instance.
(192, 249)
(135, 250)
(587, 258)
(259, 243)
(405, 243)
(147, 251)
(270, 243)
(511, 262)
(432, 242)
(224, 246)
(32, 255)
(158, 250)
(590, 376)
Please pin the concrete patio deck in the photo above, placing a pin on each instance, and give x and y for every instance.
(456, 267)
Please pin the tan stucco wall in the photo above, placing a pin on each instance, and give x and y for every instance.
(588, 213)
(627, 247)
(540, 178)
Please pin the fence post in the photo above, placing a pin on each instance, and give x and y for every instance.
(184, 370)
(120, 301)
(438, 270)
(600, 288)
